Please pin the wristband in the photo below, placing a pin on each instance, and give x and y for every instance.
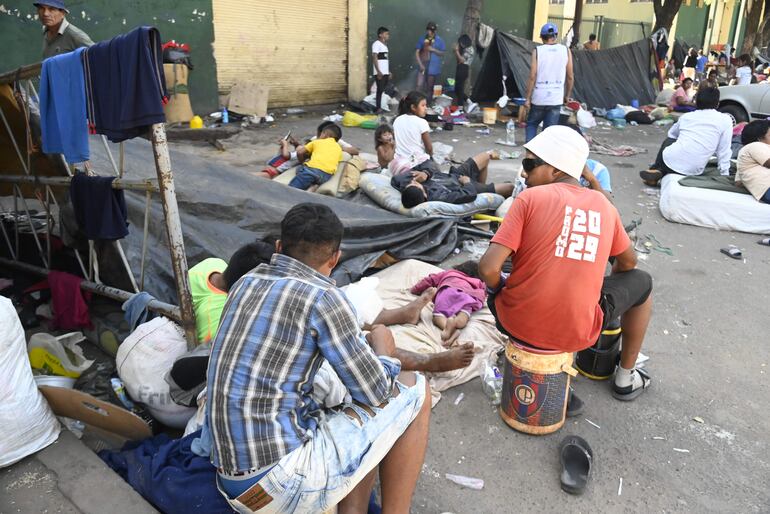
(503, 279)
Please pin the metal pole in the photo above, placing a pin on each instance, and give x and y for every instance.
(136, 185)
(166, 309)
(174, 230)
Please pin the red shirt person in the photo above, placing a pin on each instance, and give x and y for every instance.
(560, 237)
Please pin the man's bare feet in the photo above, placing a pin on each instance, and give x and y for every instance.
(415, 307)
(455, 358)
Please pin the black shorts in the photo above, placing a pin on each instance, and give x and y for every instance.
(471, 170)
(620, 292)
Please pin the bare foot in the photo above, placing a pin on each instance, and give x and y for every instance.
(450, 330)
(414, 308)
(456, 358)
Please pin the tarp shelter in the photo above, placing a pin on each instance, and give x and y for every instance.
(223, 207)
(603, 78)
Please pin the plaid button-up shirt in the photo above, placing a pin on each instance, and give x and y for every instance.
(280, 321)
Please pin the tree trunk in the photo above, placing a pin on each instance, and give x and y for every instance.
(665, 13)
(472, 18)
(578, 19)
(753, 19)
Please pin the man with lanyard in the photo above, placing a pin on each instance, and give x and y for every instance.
(550, 81)
(275, 448)
(60, 36)
(560, 237)
(429, 53)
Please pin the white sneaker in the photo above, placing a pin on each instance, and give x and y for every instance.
(470, 106)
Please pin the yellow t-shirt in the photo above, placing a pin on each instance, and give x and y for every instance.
(325, 155)
(208, 301)
(751, 168)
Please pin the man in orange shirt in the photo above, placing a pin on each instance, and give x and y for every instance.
(559, 237)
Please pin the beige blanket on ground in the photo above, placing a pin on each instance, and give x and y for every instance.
(394, 286)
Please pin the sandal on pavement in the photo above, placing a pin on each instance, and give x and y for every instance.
(651, 177)
(630, 392)
(576, 459)
(575, 405)
(733, 252)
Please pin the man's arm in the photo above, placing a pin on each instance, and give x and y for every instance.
(491, 265)
(376, 65)
(626, 261)
(532, 79)
(724, 150)
(368, 377)
(570, 77)
(417, 58)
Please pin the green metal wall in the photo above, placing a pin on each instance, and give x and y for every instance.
(186, 21)
(406, 20)
(691, 24)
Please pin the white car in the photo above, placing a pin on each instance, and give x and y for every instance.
(745, 103)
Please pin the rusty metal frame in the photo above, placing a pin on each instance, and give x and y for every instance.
(164, 186)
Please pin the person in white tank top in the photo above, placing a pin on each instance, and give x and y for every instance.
(550, 81)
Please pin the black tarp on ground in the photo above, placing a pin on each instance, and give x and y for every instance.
(223, 207)
(603, 78)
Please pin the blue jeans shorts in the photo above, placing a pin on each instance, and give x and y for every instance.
(547, 114)
(307, 176)
(319, 474)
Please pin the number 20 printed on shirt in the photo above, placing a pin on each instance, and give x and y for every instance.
(579, 238)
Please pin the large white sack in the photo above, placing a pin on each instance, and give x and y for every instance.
(26, 421)
(143, 359)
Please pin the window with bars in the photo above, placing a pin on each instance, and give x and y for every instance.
(596, 1)
(556, 2)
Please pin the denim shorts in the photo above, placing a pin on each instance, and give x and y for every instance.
(322, 472)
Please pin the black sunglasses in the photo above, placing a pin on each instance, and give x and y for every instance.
(530, 163)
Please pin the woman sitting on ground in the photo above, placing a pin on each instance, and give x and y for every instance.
(682, 101)
(754, 160)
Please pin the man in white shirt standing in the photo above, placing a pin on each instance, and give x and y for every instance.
(693, 140)
(381, 64)
(550, 81)
(743, 74)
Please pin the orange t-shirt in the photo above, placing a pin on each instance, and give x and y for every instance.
(562, 236)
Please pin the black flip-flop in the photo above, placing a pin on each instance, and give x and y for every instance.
(733, 252)
(576, 459)
(575, 405)
(764, 242)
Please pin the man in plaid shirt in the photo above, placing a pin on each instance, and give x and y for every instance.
(275, 448)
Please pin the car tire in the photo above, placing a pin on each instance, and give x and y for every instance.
(736, 112)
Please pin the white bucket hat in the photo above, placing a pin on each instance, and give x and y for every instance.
(561, 147)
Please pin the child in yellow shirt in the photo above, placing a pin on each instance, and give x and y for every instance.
(325, 154)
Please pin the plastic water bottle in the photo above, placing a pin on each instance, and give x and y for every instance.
(225, 116)
(510, 132)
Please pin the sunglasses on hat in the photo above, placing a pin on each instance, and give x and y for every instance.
(530, 163)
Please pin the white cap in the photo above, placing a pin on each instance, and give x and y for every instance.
(561, 147)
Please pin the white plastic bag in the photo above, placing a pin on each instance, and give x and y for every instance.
(143, 360)
(366, 302)
(441, 152)
(585, 119)
(27, 424)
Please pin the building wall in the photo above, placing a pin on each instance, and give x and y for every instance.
(186, 21)
(691, 23)
(407, 19)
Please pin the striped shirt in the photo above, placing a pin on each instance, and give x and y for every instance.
(280, 321)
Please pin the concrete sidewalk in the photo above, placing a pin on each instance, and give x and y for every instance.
(67, 477)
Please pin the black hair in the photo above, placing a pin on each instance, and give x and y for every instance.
(245, 259)
(464, 41)
(687, 79)
(413, 98)
(707, 98)
(754, 130)
(712, 71)
(732, 51)
(322, 126)
(592, 37)
(379, 131)
(311, 233)
(381, 30)
(745, 58)
(431, 26)
(470, 268)
(334, 130)
(412, 196)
